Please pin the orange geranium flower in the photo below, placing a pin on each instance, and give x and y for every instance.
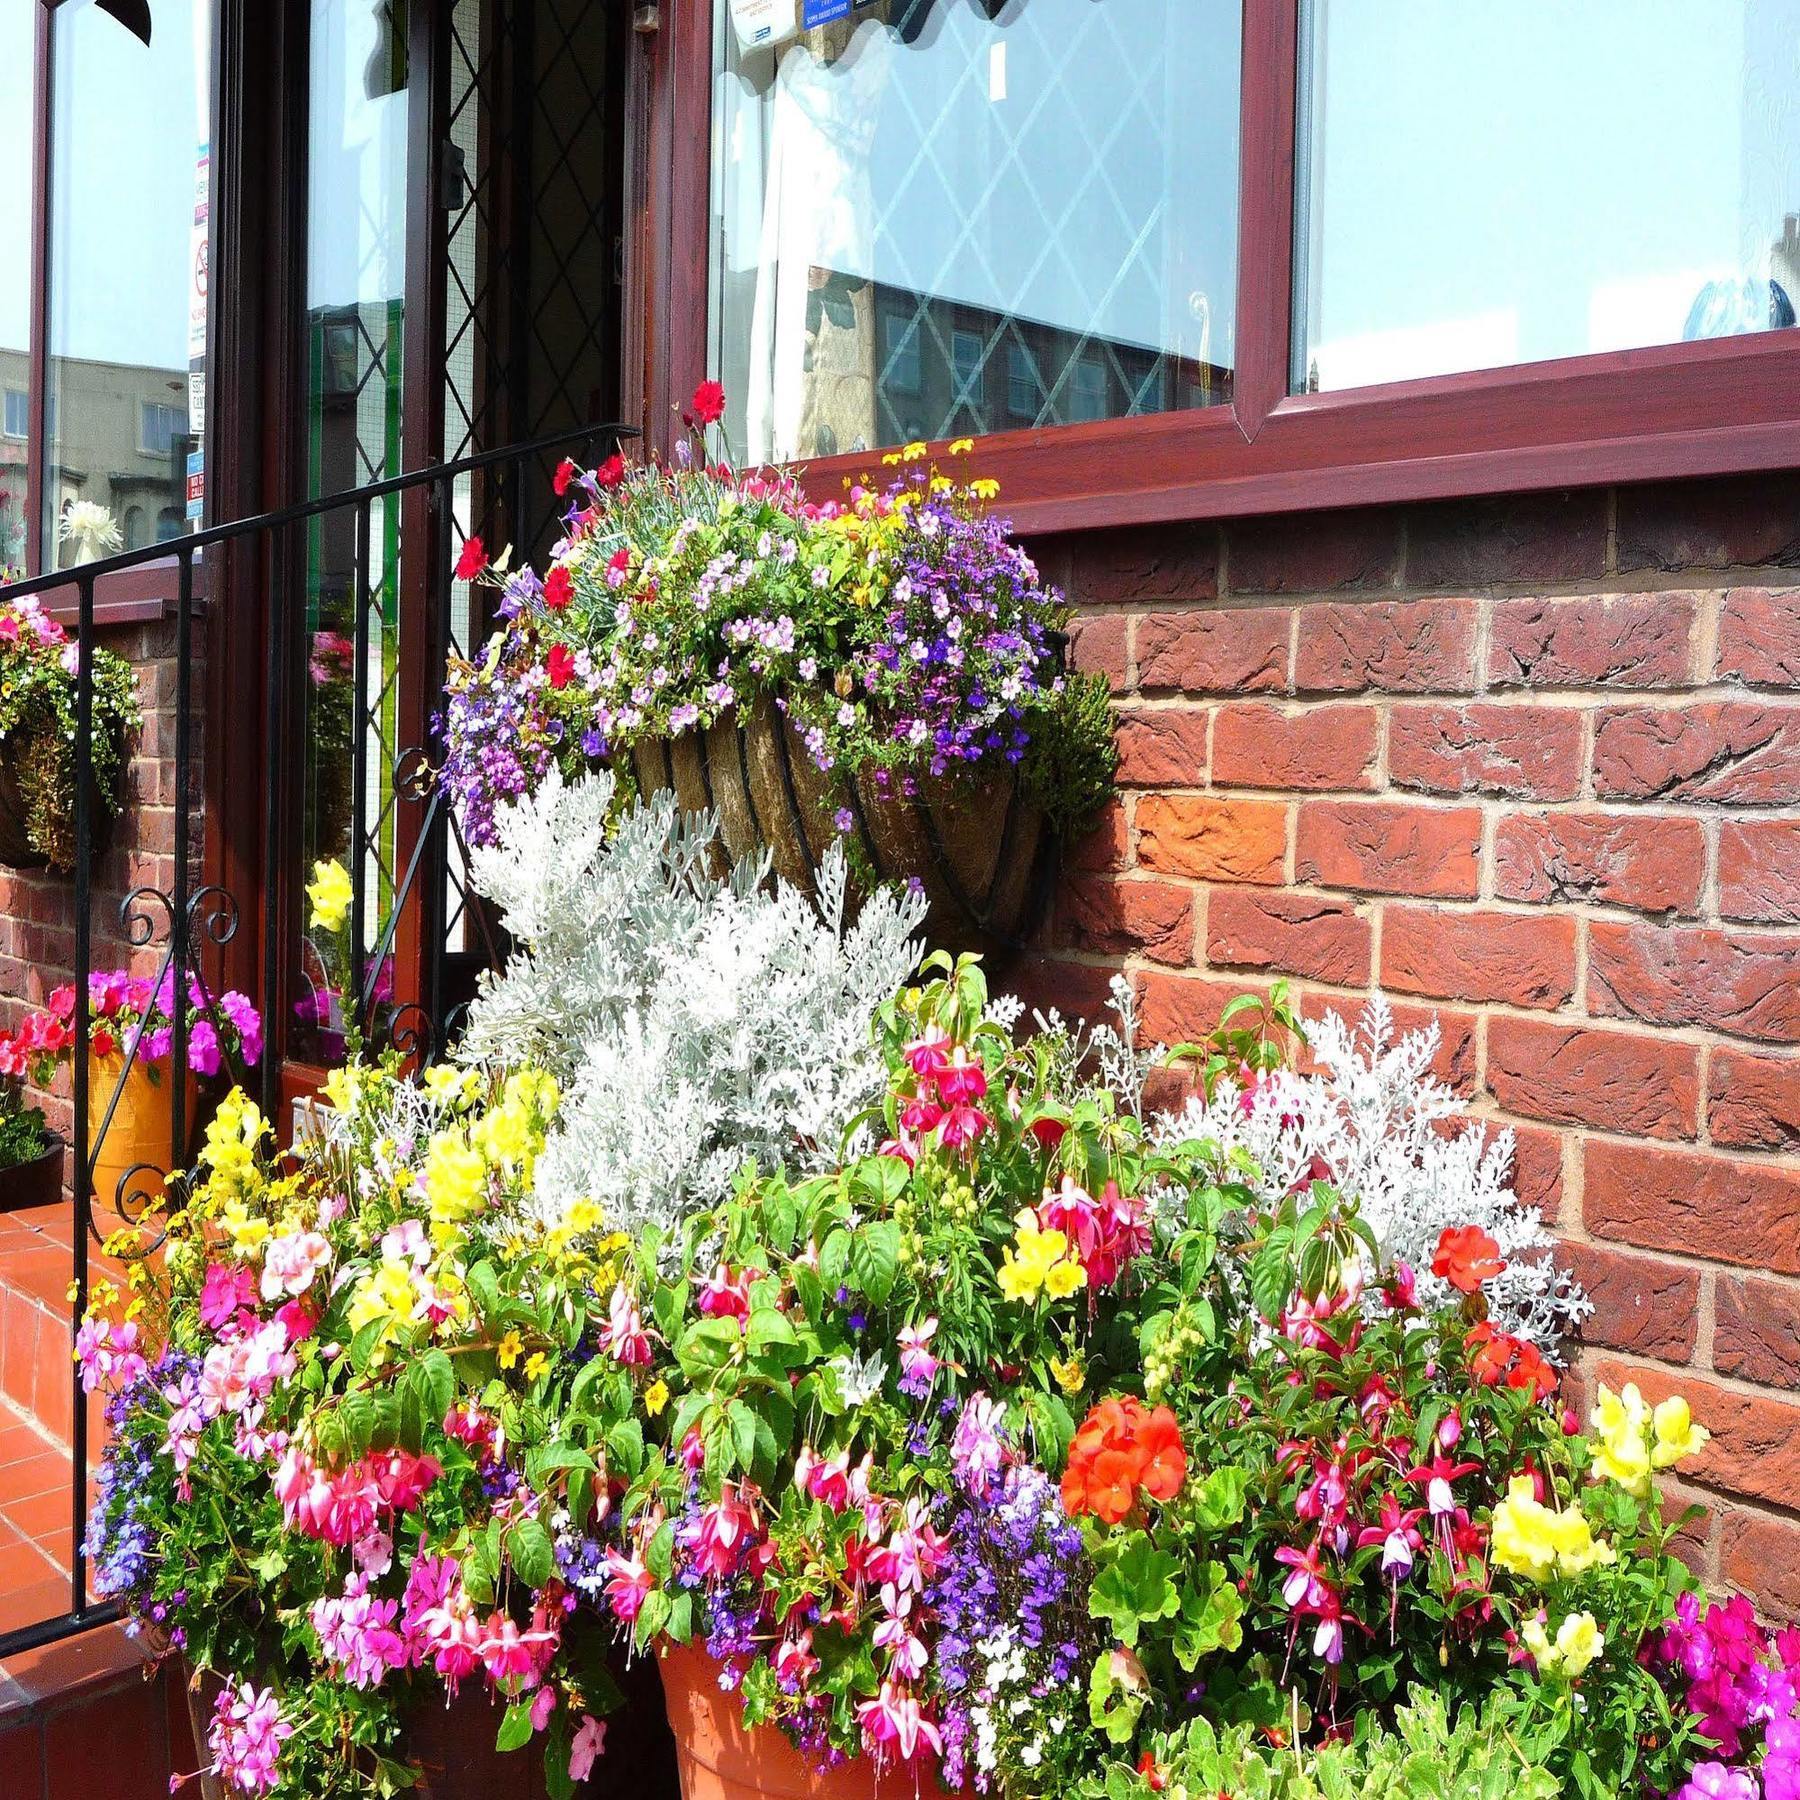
(1121, 1447)
(1466, 1257)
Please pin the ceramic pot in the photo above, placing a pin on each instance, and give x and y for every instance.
(983, 853)
(721, 1758)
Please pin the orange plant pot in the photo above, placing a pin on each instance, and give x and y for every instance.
(721, 1758)
(138, 1139)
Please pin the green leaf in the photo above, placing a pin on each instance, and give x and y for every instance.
(1112, 1707)
(875, 1256)
(532, 1554)
(1220, 1502)
(1137, 1587)
(707, 1346)
(1209, 1620)
(515, 1727)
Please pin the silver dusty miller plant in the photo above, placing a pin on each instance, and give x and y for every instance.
(1374, 1118)
(693, 1022)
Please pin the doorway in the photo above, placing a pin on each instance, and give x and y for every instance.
(463, 198)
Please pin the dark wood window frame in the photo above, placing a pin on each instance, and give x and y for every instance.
(1726, 406)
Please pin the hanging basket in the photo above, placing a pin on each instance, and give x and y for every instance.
(722, 1758)
(36, 831)
(983, 852)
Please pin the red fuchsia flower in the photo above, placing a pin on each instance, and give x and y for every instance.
(565, 473)
(401, 1478)
(472, 561)
(708, 404)
(1435, 1478)
(559, 665)
(1466, 1257)
(1105, 1234)
(1048, 1131)
(513, 1657)
(1401, 1288)
(903, 1148)
(623, 1336)
(469, 1425)
(919, 1116)
(909, 1558)
(693, 1450)
(895, 1721)
(724, 1295)
(825, 1479)
(559, 588)
(628, 1584)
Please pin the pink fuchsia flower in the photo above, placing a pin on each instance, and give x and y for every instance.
(1435, 1477)
(961, 1126)
(623, 1336)
(226, 1295)
(1305, 1589)
(910, 1556)
(929, 1053)
(894, 1721)
(515, 1658)
(962, 1080)
(357, 1635)
(401, 1477)
(628, 1584)
(725, 1535)
(724, 1295)
(916, 1361)
(291, 1262)
(895, 1635)
(1397, 1534)
(826, 1479)
(919, 1116)
(246, 1736)
(795, 1664)
(588, 1747)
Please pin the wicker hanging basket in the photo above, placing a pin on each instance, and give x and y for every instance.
(983, 851)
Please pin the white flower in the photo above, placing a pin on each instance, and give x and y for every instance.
(860, 1378)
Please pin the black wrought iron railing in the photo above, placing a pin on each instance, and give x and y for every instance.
(192, 921)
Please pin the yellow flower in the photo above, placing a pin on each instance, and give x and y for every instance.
(343, 1088)
(1622, 1423)
(1677, 1436)
(386, 1294)
(892, 459)
(913, 452)
(1069, 1375)
(961, 446)
(330, 894)
(1579, 1640)
(537, 1366)
(450, 1086)
(984, 488)
(656, 1397)
(1038, 1261)
(511, 1346)
(455, 1179)
(1537, 1541)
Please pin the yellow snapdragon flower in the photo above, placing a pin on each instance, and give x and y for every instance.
(1578, 1643)
(1038, 1261)
(455, 1179)
(330, 895)
(387, 1293)
(1537, 1541)
(1634, 1438)
(452, 1087)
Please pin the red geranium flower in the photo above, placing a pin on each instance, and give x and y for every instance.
(565, 473)
(1123, 1446)
(709, 403)
(1466, 1257)
(472, 561)
(559, 588)
(560, 665)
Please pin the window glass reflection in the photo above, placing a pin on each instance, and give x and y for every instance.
(1487, 185)
(18, 26)
(949, 216)
(127, 273)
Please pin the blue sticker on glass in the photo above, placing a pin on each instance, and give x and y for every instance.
(822, 12)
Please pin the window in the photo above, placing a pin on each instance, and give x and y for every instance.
(18, 25)
(1601, 177)
(1297, 254)
(159, 426)
(128, 191)
(17, 422)
(971, 178)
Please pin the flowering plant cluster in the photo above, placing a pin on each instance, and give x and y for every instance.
(992, 1432)
(132, 1018)
(902, 632)
(38, 664)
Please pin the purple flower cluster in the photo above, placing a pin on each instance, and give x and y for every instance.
(1013, 1625)
(498, 746)
(121, 1536)
(1742, 1680)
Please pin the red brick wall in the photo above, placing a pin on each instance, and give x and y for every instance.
(1533, 765)
(37, 907)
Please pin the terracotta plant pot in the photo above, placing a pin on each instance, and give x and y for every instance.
(137, 1142)
(35, 1183)
(721, 1758)
(983, 851)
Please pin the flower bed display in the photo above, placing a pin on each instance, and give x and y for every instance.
(887, 672)
(942, 1417)
(38, 662)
